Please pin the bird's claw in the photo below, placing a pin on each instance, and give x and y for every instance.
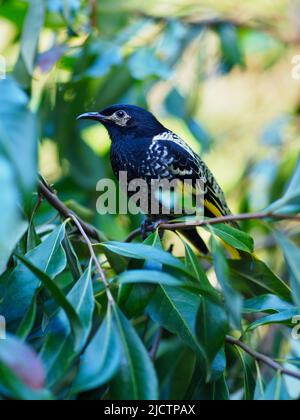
(156, 225)
(148, 226)
(145, 228)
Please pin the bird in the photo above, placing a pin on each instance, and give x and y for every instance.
(143, 147)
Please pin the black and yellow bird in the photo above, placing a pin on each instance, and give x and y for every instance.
(147, 150)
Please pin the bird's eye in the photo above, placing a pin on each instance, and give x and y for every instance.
(120, 114)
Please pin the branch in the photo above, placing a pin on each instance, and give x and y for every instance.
(94, 258)
(215, 221)
(46, 192)
(262, 358)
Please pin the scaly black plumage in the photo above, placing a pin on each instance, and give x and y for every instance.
(144, 148)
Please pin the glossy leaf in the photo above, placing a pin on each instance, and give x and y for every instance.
(292, 257)
(211, 328)
(22, 283)
(233, 300)
(31, 32)
(255, 278)
(234, 237)
(101, 358)
(59, 348)
(136, 378)
(176, 310)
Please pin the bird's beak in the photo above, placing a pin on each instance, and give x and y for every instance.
(95, 116)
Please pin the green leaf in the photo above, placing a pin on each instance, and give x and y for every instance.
(59, 348)
(276, 390)
(233, 300)
(149, 276)
(231, 49)
(27, 323)
(31, 32)
(249, 380)
(21, 285)
(16, 119)
(195, 268)
(136, 378)
(12, 228)
(73, 261)
(145, 252)
(266, 303)
(101, 358)
(201, 390)
(289, 203)
(234, 237)
(285, 317)
(292, 257)
(58, 297)
(211, 328)
(176, 310)
(255, 278)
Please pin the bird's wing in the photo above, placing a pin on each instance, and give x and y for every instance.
(182, 163)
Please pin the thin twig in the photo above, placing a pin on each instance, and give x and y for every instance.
(262, 358)
(64, 211)
(93, 5)
(94, 257)
(215, 221)
(156, 343)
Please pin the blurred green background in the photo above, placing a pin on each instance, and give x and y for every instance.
(219, 73)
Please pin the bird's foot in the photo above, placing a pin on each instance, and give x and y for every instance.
(150, 226)
(156, 225)
(145, 228)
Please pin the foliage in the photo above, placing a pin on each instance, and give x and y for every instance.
(158, 328)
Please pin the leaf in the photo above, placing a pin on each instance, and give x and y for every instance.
(13, 353)
(276, 390)
(255, 278)
(31, 32)
(136, 378)
(16, 119)
(292, 258)
(12, 228)
(21, 285)
(266, 303)
(28, 321)
(290, 202)
(149, 276)
(234, 237)
(232, 52)
(73, 261)
(59, 348)
(145, 252)
(176, 310)
(233, 300)
(195, 268)
(57, 295)
(101, 358)
(211, 328)
(201, 390)
(284, 317)
(249, 380)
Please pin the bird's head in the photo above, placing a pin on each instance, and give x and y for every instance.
(126, 121)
